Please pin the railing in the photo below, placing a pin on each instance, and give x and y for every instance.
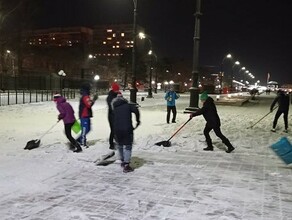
(11, 97)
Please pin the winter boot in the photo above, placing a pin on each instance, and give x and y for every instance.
(208, 148)
(230, 149)
(209, 144)
(229, 145)
(78, 148)
(127, 168)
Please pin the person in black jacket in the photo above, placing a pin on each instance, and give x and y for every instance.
(111, 95)
(211, 116)
(283, 108)
(123, 129)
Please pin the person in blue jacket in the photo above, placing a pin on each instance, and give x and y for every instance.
(170, 97)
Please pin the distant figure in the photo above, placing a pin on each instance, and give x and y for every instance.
(123, 129)
(85, 112)
(283, 108)
(268, 91)
(170, 98)
(211, 116)
(111, 95)
(67, 115)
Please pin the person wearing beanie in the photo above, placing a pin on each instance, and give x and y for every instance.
(115, 90)
(85, 112)
(170, 98)
(211, 116)
(283, 108)
(66, 113)
(123, 129)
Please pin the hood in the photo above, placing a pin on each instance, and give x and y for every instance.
(60, 99)
(118, 101)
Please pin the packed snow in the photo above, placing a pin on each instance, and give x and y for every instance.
(179, 182)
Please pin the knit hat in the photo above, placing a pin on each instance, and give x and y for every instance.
(115, 87)
(56, 96)
(204, 96)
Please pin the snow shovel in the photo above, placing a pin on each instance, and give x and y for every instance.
(263, 117)
(167, 143)
(36, 143)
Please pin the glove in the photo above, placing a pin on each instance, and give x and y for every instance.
(138, 123)
(95, 97)
(59, 117)
(191, 115)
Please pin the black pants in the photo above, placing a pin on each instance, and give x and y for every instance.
(111, 124)
(68, 133)
(173, 110)
(278, 114)
(218, 133)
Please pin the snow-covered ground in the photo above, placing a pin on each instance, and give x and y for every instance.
(179, 182)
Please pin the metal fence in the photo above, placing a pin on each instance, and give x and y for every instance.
(11, 97)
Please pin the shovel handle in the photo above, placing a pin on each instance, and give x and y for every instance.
(179, 129)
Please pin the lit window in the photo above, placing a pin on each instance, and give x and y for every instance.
(40, 39)
(104, 42)
(118, 42)
(109, 30)
(117, 46)
(54, 38)
(123, 34)
(114, 35)
(114, 46)
(108, 38)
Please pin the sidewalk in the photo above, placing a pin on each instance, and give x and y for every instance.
(181, 182)
(164, 185)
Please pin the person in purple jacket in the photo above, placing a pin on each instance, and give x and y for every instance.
(67, 115)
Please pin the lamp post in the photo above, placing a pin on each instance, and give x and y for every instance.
(194, 90)
(133, 89)
(228, 56)
(96, 78)
(151, 53)
(237, 63)
(62, 74)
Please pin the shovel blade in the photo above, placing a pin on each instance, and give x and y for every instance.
(32, 144)
(163, 143)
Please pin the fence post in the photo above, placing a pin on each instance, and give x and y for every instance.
(16, 96)
(23, 96)
(8, 102)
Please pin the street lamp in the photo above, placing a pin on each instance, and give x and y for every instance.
(237, 63)
(194, 90)
(96, 78)
(143, 36)
(228, 56)
(133, 89)
(62, 74)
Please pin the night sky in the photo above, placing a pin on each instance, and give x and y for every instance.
(256, 32)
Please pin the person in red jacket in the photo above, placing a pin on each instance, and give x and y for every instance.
(85, 112)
